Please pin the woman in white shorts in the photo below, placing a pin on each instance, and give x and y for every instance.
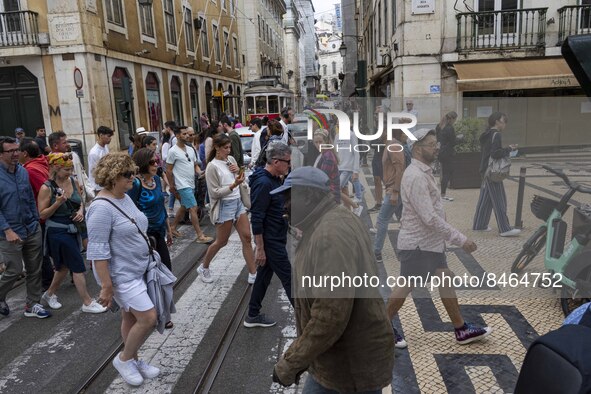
(223, 178)
(120, 256)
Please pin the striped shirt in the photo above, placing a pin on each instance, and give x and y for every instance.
(113, 237)
(423, 223)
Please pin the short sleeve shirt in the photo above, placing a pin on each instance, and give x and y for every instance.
(184, 166)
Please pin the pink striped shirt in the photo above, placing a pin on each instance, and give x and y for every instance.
(423, 223)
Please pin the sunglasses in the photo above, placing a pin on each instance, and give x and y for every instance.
(285, 161)
(188, 158)
(152, 162)
(128, 174)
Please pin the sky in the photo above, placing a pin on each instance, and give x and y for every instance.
(324, 5)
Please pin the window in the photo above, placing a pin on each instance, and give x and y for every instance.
(189, 30)
(223, 4)
(232, 9)
(204, 39)
(259, 18)
(153, 98)
(169, 22)
(235, 46)
(146, 20)
(585, 19)
(324, 69)
(216, 43)
(227, 49)
(334, 67)
(176, 98)
(114, 12)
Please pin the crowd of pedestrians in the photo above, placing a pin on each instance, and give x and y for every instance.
(54, 214)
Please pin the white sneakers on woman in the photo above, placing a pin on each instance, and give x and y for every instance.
(51, 300)
(93, 307)
(133, 371)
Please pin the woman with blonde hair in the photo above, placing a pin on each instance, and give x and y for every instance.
(60, 204)
(120, 254)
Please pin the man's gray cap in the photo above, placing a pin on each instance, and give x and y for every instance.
(420, 134)
(305, 176)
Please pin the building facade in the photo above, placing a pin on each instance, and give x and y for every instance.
(140, 65)
(331, 65)
(308, 51)
(477, 57)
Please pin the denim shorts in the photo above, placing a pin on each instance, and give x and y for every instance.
(345, 177)
(230, 210)
(187, 197)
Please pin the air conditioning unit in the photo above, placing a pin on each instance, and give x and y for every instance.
(197, 23)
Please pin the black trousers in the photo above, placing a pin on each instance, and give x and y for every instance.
(278, 263)
(162, 248)
(446, 173)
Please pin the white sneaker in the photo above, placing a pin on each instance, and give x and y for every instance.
(128, 371)
(252, 278)
(51, 301)
(357, 211)
(373, 230)
(148, 371)
(447, 198)
(511, 233)
(485, 230)
(204, 274)
(356, 200)
(93, 307)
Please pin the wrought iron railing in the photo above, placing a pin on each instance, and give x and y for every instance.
(506, 29)
(573, 20)
(18, 28)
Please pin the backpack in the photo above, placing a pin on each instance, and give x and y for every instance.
(558, 362)
(262, 159)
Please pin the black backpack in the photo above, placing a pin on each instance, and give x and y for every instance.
(558, 363)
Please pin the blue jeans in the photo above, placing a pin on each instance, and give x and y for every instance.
(358, 188)
(313, 387)
(386, 211)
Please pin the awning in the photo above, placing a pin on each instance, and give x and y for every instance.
(515, 74)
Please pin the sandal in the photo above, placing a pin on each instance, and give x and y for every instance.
(176, 234)
(169, 325)
(204, 239)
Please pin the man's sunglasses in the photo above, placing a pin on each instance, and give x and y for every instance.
(285, 161)
(188, 158)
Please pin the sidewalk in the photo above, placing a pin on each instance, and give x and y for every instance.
(433, 362)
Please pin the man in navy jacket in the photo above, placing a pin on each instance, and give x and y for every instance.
(269, 227)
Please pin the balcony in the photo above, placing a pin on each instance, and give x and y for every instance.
(573, 20)
(501, 30)
(18, 28)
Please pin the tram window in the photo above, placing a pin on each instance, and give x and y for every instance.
(273, 104)
(250, 105)
(261, 105)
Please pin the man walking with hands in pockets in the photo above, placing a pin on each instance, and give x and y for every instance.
(422, 237)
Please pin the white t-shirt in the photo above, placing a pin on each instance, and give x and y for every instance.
(226, 177)
(95, 154)
(184, 168)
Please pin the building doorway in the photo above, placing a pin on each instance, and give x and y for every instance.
(20, 103)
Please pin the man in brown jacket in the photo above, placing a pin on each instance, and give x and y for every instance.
(345, 338)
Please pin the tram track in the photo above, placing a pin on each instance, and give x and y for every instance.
(88, 382)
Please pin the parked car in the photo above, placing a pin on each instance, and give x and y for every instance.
(299, 131)
(246, 137)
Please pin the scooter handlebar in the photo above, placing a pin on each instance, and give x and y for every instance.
(559, 173)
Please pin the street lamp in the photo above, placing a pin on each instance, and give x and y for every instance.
(343, 49)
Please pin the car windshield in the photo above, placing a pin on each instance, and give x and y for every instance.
(298, 129)
(246, 142)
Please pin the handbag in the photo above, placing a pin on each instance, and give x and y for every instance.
(245, 195)
(498, 169)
